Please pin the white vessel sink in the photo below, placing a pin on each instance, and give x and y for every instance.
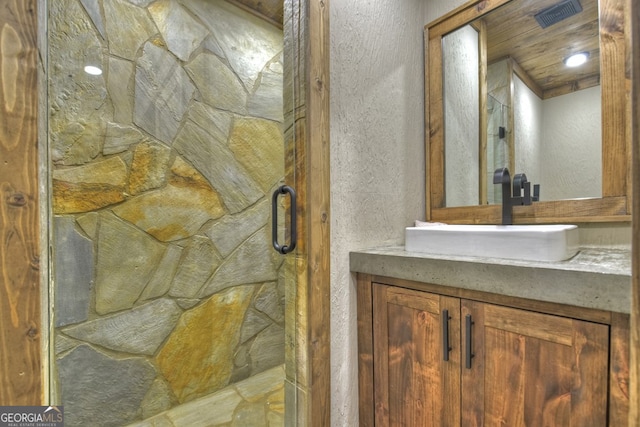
(521, 242)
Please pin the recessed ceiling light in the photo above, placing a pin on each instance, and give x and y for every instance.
(93, 70)
(576, 59)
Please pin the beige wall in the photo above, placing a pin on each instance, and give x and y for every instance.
(377, 154)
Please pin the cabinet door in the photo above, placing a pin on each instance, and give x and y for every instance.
(532, 369)
(414, 384)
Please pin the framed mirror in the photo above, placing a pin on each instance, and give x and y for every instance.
(500, 95)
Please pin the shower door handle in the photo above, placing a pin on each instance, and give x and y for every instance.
(284, 249)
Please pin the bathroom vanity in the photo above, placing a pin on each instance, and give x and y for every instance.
(462, 341)
(453, 340)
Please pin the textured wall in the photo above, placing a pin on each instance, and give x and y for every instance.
(558, 142)
(573, 168)
(377, 154)
(528, 131)
(462, 112)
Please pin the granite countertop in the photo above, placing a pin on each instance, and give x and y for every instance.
(598, 278)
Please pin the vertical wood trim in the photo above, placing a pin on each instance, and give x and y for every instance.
(630, 57)
(365, 350)
(589, 400)
(427, 109)
(614, 101)
(46, 308)
(481, 27)
(308, 168)
(634, 57)
(435, 132)
(473, 379)
(452, 369)
(619, 370)
(295, 270)
(20, 350)
(381, 354)
(318, 193)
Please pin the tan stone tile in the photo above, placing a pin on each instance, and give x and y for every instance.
(259, 386)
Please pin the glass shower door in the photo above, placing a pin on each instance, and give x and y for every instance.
(166, 144)
(497, 145)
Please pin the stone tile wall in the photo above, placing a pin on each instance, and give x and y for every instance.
(257, 401)
(166, 286)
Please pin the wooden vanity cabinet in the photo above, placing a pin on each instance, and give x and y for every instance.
(417, 387)
(532, 369)
(428, 359)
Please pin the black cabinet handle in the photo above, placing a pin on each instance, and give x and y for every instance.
(284, 249)
(469, 352)
(445, 335)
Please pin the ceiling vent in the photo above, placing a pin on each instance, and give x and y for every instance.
(558, 12)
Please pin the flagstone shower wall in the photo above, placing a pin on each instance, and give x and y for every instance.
(166, 288)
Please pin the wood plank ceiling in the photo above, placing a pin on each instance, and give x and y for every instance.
(512, 31)
(270, 10)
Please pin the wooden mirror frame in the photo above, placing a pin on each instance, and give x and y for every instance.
(615, 203)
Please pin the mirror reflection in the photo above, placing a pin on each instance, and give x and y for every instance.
(510, 100)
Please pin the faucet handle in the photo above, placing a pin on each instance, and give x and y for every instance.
(519, 181)
(527, 194)
(536, 192)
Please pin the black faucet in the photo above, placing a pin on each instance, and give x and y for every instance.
(501, 176)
